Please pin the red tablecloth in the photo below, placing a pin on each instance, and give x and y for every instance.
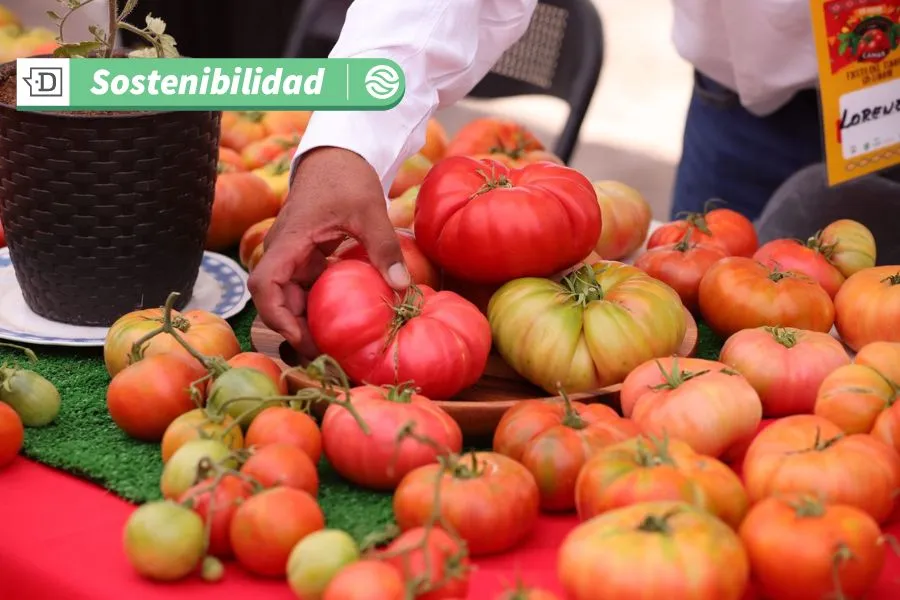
(60, 539)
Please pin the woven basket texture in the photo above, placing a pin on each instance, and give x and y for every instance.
(105, 214)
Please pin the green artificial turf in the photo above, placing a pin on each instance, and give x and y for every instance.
(85, 442)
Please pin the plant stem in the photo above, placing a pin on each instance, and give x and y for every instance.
(113, 16)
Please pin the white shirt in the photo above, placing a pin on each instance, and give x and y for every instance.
(762, 49)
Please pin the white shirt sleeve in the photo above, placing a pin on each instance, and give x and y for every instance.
(445, 47)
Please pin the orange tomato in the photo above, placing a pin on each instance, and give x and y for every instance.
(196, 424)
(625, 217)
(241, 128)
(253, 237)
(784, 365)
(842, 551)
(609, 553)
(701, 402)
(286, 122)
(241, 200)
(867, 309)
(283, 425)
(741, 293)
(263, 363)
(269, 149)
(282, 464)
(516, 159)
(435, 141)
(489, 135)
(809, 454)
(12, 434)
(230, 160)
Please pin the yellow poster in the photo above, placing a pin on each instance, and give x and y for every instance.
(858, 47)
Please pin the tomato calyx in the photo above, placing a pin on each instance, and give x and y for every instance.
(254, 116)
(820, 445)
(684, 244)
(807, 507)
(658, 524)
(892, 279)
(776, 274)
(785, 336)
(401, 393)
(582, 286)
(676, 377)
(491, 182)
(656, 456)
(279, 167)
(818, 244)
(406, 308)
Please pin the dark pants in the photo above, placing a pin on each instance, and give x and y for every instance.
(732, 155)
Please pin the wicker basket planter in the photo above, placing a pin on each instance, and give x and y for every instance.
(105, 212)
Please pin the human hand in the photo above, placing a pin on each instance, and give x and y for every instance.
(335, 194)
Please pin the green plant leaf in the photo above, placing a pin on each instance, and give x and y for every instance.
(842, 49)
(81, 49)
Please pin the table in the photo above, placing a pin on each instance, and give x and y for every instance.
(62, 541)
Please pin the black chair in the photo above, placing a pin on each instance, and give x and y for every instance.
(560, 55)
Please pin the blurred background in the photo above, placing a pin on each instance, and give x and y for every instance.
(632, 130)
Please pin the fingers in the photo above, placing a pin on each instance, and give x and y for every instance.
(277, 296)
(378, 237)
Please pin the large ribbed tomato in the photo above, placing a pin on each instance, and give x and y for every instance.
(666, 550)
(588, 331)
(490, 135)
(421, 271)
(701, 402)
(785, 366)
(867, 309)
(438, 340)
(808, 454)
(741, 293)
(483, 222)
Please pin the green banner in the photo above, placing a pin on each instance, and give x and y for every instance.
(207, 84)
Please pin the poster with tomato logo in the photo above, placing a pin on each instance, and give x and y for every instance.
(858, 47)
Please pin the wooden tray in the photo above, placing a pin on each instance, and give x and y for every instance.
(477, 409)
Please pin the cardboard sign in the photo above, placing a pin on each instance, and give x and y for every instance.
(858, 47)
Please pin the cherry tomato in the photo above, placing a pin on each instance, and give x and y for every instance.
(432, 558)
(164, 541)
(317, 558)
(223, 497)
(230, 390)
(180, 472)
(280, 424)
(268, 525)
(197, 424)
(282, 464)
(367, 580)
(262, 363)
(34, 398)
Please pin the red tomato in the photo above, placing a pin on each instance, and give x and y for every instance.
(490, 500)
(12, 434)
(849, 245)
(796, 257)
(521, 592)
(252, 239)
(241, 128)
(626, 218)
(436, 339)
(263, 364)
(682, 266)
(843, 550)
(145, 398)
(241, 201)
(282, 464)
(283, 425)
(2, 236)
(267, 526)
(741, 293)
(229, 160)
(483, 222)
(867, 309)
(223, 497)
(631, 472)
(196, 424)
(272, 148)
(366, 580)
(421, 271)
(553, 440)
(729, 229)
(433, 559)
(492, 135)
(785, 366)
(609, 553)
(207, 333)
(701, 402)
(374, 459)
(808, 454)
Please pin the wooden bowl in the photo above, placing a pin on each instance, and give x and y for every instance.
(477, 409)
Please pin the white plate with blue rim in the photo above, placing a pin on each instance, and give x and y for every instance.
(221, 289)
